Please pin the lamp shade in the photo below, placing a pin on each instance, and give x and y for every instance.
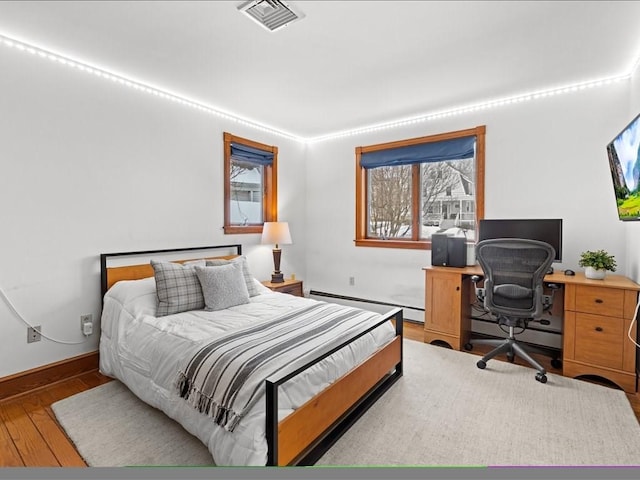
(276, 233)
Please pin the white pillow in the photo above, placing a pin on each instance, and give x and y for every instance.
(260, 288)
(223, 286)
(195, 263)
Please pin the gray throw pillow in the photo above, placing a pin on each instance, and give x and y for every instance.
(177, 287)
(248, 277)
(193, 263)
(223, 286)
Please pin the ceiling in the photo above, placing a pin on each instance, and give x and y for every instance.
(347, 64)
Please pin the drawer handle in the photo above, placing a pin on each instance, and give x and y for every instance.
(599, 329)
(599, 300)
(457, 289)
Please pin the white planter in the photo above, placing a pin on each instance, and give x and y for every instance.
(594, 274)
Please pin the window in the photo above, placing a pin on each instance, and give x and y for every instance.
(250, 185)
(407, 190)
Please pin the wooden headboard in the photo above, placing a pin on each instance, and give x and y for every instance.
(111, 275)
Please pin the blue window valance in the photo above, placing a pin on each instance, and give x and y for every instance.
(250, 155)
(454, 149)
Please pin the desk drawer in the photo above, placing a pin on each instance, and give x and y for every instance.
(600, 300)
(598, 340)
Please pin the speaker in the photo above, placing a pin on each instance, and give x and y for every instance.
(439, 253)
(456, 251)
(448, 251)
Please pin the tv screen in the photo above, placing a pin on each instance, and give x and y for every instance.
(547, 230)
(624, 163)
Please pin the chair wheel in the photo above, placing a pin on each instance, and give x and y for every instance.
(541, 377)
(481, 364)
(511, 357)
(555, 363)
(468, 347)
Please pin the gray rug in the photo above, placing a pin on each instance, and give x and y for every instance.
(444, 411)
(111, 427)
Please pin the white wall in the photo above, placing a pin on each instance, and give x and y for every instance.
(87, 167)
(632, 229)
(544, 158)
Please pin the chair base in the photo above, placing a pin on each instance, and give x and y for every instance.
(511, 348)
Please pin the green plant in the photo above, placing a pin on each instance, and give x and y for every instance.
(598, 259)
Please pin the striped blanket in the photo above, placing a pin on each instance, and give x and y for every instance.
(224, 378)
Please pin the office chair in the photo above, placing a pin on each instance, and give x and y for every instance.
(514, 270)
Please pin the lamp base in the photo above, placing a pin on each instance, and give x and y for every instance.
(277, 278)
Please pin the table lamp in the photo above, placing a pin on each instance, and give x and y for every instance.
(276, 233)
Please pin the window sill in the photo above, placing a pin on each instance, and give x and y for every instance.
(231, 229)
(410, 244)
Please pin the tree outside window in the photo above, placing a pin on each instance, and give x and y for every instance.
(390, 202)
(250, 187)
(401, 206)
(246, 193)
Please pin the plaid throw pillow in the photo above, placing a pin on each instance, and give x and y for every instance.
(177, 287)
(248, 277)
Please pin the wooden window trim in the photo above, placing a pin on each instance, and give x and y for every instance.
(269, 181)
(362, 240)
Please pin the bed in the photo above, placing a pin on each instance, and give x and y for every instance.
(298, 410)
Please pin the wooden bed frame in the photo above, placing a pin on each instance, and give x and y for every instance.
(306, 434)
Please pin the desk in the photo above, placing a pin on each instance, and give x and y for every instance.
(597, 315)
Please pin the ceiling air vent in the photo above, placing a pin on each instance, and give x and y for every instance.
(271, 14)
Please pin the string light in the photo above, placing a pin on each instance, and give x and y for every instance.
(446, 113)
(473, 108)
(140, 86)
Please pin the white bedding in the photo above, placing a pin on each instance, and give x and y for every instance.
(145, 353)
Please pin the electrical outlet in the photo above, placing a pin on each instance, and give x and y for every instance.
(352, 281)
(33, 334)
(86, 324)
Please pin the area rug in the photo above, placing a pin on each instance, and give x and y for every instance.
(444, 411)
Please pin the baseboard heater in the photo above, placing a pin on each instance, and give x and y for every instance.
(419, 312)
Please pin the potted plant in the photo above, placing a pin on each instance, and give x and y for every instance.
(597, 263)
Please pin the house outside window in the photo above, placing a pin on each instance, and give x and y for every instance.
(250, 189)
(404, 195)
(246, 193)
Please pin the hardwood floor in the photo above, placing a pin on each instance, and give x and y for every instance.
(30, 435)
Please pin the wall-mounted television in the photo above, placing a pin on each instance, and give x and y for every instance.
(547, 230)
(624, 162)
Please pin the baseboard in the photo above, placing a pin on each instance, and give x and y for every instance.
(415, 322)
(39, 377)
(411, 314)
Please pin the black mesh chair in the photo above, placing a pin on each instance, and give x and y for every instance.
(514, 271)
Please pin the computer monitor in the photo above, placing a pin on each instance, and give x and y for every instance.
(547, 230)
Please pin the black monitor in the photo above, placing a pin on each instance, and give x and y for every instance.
(547, 230)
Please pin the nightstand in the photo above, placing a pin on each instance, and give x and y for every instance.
(292, 287)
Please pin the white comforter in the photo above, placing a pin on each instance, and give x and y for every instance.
(145, 353)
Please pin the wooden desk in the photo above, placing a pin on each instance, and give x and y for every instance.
(597, 315)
